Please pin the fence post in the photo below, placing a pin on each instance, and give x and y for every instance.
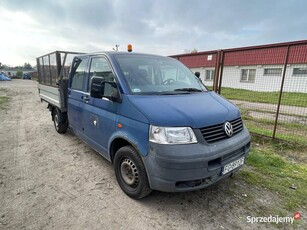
(217, 71)
(281, 91)
(221, 74)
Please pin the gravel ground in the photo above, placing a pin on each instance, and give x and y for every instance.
(53, 181)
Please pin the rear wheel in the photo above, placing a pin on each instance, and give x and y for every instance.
(60, 121)
(130, 173)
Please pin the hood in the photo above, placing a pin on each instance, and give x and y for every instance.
(195, 110)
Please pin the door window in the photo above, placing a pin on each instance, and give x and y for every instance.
(101, 68)
(78, 71)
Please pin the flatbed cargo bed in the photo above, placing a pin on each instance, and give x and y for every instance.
(53, 71)
(49, 94)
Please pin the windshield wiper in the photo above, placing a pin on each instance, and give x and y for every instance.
(172, 93)
(161, 93)
(188, 89)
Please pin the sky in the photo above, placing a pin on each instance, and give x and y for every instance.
(32, 28)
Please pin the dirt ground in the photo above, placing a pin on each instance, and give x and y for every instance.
(53, 181)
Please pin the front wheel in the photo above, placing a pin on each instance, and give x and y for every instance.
(130, 173)
(60, 121)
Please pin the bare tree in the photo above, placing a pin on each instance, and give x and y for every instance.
(188, 51)
(194, 50)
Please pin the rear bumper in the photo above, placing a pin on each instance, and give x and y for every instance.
(175, 168)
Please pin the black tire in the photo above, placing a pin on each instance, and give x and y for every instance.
(60, 121)
(131, 173)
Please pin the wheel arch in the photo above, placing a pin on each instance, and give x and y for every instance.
(118, 143)
(123, 137)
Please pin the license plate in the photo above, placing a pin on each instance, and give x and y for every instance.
(232, 165)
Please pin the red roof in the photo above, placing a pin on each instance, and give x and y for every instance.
(255, 55)
(198, 60)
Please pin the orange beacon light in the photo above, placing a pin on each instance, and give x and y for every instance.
(129, 48)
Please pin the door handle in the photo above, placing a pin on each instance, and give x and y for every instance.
(85, 98)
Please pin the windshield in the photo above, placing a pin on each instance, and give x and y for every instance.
(157, 75)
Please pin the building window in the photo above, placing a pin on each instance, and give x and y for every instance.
(209, 76)
(299, 71)
(248, 75)
(273, 71)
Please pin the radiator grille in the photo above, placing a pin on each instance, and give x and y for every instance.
(217, 133)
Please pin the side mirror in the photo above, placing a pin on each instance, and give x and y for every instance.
(97, 87)
(100, 88)
(197, 74)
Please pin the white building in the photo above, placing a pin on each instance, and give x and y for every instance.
(257, 68)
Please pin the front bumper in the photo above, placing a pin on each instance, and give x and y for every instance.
(175, 168)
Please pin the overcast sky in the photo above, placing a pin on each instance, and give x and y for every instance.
(31, 28)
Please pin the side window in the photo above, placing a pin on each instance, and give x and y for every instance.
(100, 67)
(79, 69)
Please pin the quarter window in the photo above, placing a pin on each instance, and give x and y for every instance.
(248, 75)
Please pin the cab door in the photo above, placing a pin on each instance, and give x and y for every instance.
(76, 93)
(100, 114)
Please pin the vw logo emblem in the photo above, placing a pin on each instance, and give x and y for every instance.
(228, 129)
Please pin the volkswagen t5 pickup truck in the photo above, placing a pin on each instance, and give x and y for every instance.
(148, 115)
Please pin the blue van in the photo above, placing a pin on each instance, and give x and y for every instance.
(152, 118)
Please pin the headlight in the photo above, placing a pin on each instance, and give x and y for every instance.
(172, 135)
